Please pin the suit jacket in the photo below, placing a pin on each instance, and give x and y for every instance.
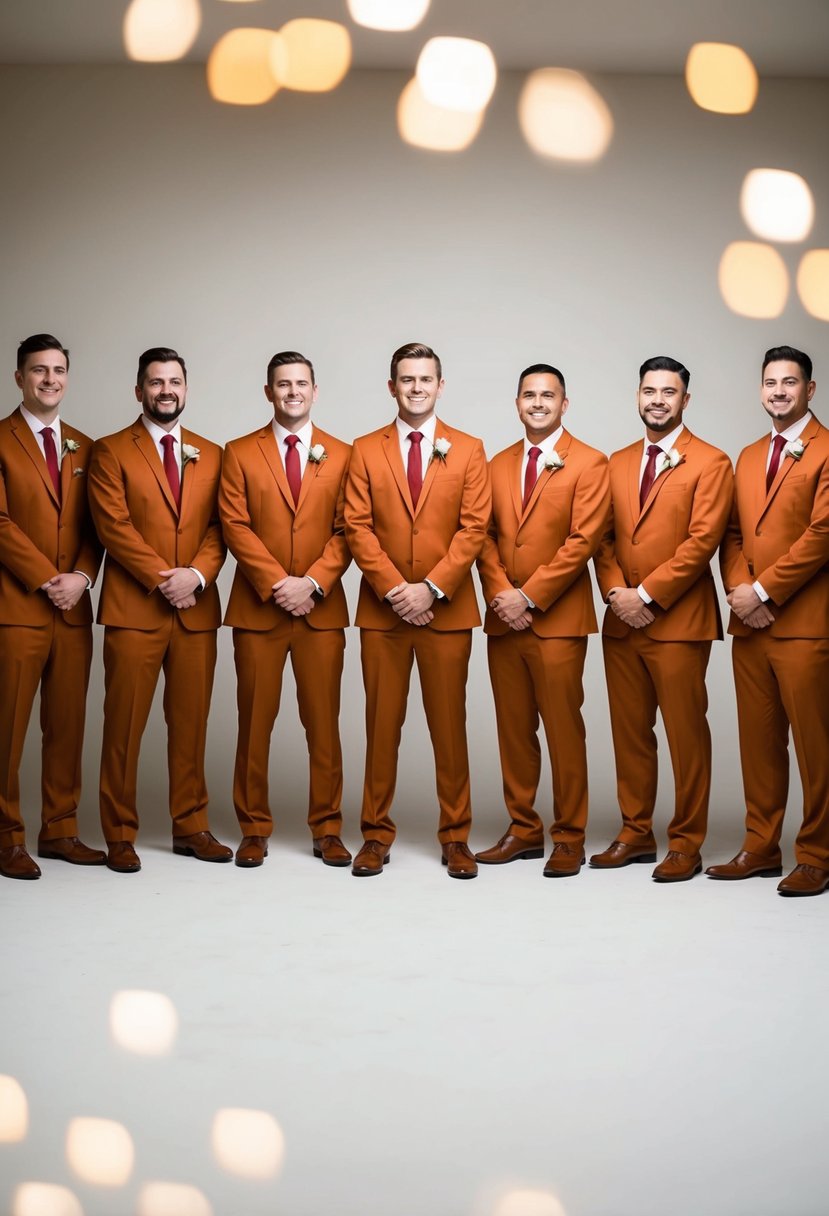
(394, 543)
(39, 536)
(668, 545)
(781, 538)
(271, 538)
(545, 549)
(144, 532)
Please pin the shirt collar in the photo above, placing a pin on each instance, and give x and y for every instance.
(795, 430)
(426, 429)
(304, 434)
(667, 441)
(36, 424)
(546, 445)
(157, 432)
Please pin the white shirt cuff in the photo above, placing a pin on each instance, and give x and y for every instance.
(436, 590)
(761, 591)
(199, 576)
(643, 595)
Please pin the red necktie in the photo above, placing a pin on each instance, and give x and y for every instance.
(50, 452)
(530, 475)
(292, 467)
(649, 475)
(778, 443)
(171, 467)
(414, 469)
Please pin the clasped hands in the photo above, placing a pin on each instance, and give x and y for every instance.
(64, 590)
(746, 604)
(294, 594)
(628, 605)
(512, 608)
(180, 586)
(413, 602)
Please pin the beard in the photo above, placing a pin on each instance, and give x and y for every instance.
(167, 412)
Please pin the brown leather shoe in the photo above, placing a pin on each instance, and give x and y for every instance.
(510, 848)
(15, 862)
(203, 846)
(370, 860)
(564, 861)
(621, 854)
(69, 848)
(804, 880)
(458, 860)
(332, 851)
(252, 851)
(122, 857)
(748, 865)
(677, 867)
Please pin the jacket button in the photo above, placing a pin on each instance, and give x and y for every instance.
(636, 542)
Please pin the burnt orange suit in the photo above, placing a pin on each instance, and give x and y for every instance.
(41, 537)
(544, 550)
(144, 532)
(667, 548)
(392, 542)
(272, 538)
(781, 673)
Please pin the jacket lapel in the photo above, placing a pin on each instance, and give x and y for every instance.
(189, 471)
(432, 467)
(23, 434)
(267, 445)
(516, 459)
(147, 448)
(391, 451)
(661, 478)
(69, 463)
(786, 465)
(312, 468)
(562, 447)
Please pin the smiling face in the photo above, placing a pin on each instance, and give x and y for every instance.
(42, 381)
(541, 403)
(785, 393)
(416, 390)
(292, 392)
(661, 400)
(163, 393)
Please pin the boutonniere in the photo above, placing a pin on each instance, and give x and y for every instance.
(670, 460)
(68, 445)
(440, 450)
(794, 448)
(317, 453)
(553, 461)
(188, 453)
(78, 472)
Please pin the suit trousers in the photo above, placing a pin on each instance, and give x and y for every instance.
(317, 662)
(442, 659)
(532, 677)
(783, 682)
(643, 675)
(133, 659)
(57, 657)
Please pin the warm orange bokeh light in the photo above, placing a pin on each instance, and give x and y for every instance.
(311, 56)
(562, 116)
(100, 1151)
(721, 77)
(14, 1111)
(426, 126)
(248, 1142)
(813, 283)
(157, 31)
(753, 280)
(239, 68)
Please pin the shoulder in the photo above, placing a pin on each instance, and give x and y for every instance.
(583, 452)
(244, 443)
(72, 432)
(632, 450)
(118, 439)
(332, 445)
(503, 458)
(206, 446)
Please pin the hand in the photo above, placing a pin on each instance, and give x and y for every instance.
(64, 590)
(761, 618)
(510, 605)
(295, 595)
(522, 622)
(179, 586)
(413, 602)
(744, 602)
(629, 606)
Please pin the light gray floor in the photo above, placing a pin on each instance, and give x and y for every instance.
(428, 1045)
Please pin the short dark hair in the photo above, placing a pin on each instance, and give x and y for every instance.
(413, 350)
(38, 342)
(540, 369)
(289, 356)
(664, 363)
(788, 354)
(158, 354)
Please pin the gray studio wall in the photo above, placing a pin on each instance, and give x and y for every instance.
(136, 211)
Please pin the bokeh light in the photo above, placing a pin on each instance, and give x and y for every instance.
(14, 1111)
(721, 77)
(44, 1199)
(247, 1142)
(143, 1022)
(239, 67)
(529, 1203)
(310, 55)
(100, 1151)
(562, 116)
(426, 126)
(753, 280)
(457, 73)
(777, 205)
(172, 1199)
(157, 31)
(388, 14)
(813, 283)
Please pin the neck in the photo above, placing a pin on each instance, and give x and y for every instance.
(46, 416)
(415, 423)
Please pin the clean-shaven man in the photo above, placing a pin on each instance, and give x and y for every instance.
(671, 498)
(153, 491)
(281, 506)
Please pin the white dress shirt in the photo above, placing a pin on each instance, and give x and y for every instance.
(665, 443)
(427, 444)
(157, 433)
(304, 435)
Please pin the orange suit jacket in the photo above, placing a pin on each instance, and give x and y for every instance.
(143, 531)
(271, 538)
(394, 543)
(40, 537)
(545, 549)
(781, 538)
(668, 546)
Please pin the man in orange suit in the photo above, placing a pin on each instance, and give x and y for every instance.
(671, 499)
(49, 557)
(775, 567)
(550, 505)
(416, 509)
(153, 491)
(281, 506)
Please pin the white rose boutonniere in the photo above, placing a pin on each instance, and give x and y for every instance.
(188, 453)
(68, 445)
(794, 448)
(553, 461)
(670, 460)
(440, 450)
(317, 454)
(78, 472)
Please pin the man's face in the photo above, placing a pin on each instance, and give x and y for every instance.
(291, 393)
(163, 392)
(661, 400)
(43, 382)
(541, 404)
(785, 393)
(416, 390)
